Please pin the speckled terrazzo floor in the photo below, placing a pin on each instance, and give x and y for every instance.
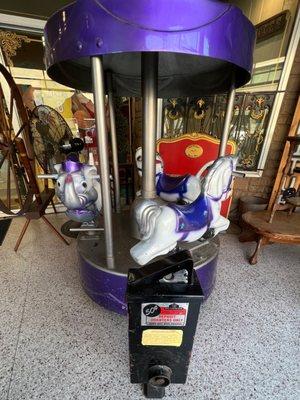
(56, 343)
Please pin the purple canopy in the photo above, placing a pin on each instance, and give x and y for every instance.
(203, 45)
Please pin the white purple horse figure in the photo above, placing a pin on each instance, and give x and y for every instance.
(161, 227)
(173, 188)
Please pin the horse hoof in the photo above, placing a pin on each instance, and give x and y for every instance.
(143, 258)
(209, 234)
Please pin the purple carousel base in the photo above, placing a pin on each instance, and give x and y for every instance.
(104, 287)
(108, 290)
(108, 287)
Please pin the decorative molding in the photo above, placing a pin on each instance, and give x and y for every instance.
(10, 42)
(193, 151)
(272, 26)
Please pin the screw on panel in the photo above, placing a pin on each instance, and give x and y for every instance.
(99, 42)
(79, 46)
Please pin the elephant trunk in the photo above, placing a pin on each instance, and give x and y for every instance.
(71, 199)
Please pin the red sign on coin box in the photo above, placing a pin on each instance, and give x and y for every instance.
(164, 314)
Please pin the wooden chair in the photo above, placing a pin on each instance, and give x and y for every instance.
(188, 153)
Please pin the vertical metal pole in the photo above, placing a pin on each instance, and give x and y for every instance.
(159, 125)
(114, 145)
(226, 127)
(99, 100)
(149, 124)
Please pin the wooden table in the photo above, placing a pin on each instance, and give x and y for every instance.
(285, 228)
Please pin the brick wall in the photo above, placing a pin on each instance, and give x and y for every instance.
(262, 186)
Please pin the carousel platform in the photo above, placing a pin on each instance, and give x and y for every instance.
(107, 287)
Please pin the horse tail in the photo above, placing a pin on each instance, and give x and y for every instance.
(146, 220)
(203, 168)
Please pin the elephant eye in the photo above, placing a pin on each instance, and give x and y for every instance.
(84, 184)
(58, 184)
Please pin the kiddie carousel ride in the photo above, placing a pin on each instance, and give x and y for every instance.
(152, 49)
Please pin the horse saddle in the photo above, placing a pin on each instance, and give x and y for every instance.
(172, 184)
(192, 217)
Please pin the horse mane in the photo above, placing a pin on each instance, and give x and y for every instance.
(146, 215)
(217, 180)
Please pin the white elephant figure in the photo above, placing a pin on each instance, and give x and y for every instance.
(78, 188)
(161, 227)
(173, 188)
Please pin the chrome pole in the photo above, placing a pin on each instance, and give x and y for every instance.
(114, 145)
(149, 123)
(99, 100)
(226, 127)
(159, 122)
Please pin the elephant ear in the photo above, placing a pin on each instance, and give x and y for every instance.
(97, 186)
(90, 173)
(57, 168)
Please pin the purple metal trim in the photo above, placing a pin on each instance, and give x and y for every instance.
(211, 29)
(207, 27)
(108, 289)
(207, 274)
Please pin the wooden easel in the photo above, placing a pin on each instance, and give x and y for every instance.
(285, 170)
(38, 207)
(17, 150)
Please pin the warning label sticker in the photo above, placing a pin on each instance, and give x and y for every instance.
(164, 314)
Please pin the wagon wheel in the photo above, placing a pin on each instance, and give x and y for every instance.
(14, 186)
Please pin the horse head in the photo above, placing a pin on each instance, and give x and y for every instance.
(217, 183)
(139, 162)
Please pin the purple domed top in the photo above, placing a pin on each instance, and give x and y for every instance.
(203, 45)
